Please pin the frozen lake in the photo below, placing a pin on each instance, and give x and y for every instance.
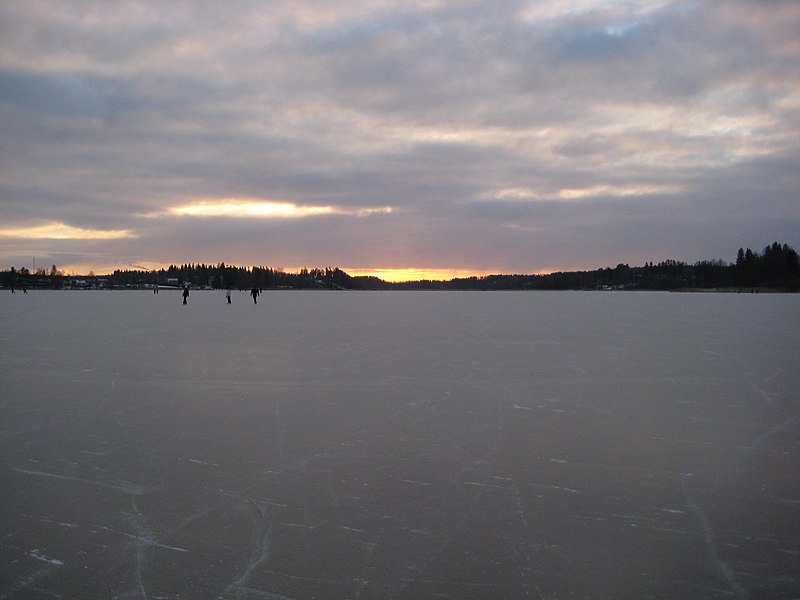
(399, 445)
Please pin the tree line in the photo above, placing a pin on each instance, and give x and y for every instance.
(222, 276)
(776, 267)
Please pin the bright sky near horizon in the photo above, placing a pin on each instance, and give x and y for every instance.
(406, 139)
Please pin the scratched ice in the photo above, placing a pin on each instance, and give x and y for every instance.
(399, 445)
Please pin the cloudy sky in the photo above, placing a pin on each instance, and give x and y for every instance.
(442, 136)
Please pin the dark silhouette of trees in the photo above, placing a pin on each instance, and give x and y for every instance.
(777, 266)
(780, 265)
(10, 278)
(713, 274)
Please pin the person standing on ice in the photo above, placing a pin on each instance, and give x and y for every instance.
(185, 294)
(254, 293)
(228, 295)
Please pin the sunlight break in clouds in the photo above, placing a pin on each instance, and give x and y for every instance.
(61, 231)
(549, 10)
(586, 192)
(267, 209)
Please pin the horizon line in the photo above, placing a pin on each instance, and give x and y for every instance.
(404, 275)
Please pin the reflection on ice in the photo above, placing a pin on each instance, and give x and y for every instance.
(400, 445)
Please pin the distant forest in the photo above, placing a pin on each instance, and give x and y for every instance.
(776, 268)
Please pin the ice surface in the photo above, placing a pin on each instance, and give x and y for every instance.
(399, 445)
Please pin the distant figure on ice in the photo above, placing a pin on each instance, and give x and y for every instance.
(228, 295)
(155, 289)
(185, 294)
(254, 293)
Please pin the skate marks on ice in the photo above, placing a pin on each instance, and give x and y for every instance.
(725, 570)
(259, 554)
(120, 485)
